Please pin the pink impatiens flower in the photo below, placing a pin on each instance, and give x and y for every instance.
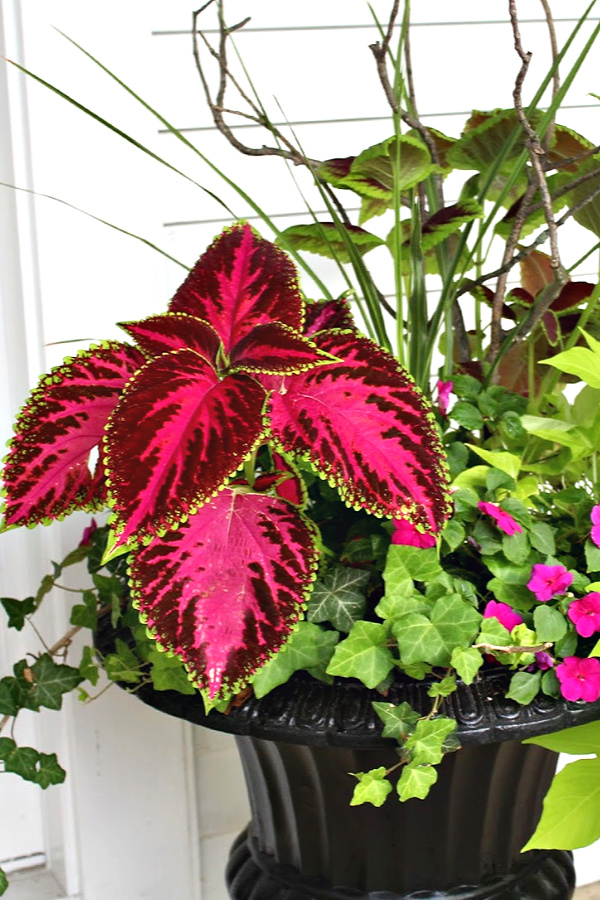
(585, 614)
(595, 532)
(504, 521)
(409, 535)
(505, 614)
(579, 678)
(444, 389)
(547, 582)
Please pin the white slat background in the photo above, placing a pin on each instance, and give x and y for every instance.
(151, 806)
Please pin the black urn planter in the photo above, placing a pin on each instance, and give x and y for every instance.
(298, 745)
(463, 842)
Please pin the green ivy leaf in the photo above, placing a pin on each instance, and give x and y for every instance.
(88, 667)
(18, 610)
(168, 673)
(122, 665)
(453, 623)
(549, 623)
(467, 662)
(11, 697)
(373, 787)
(524, 687)
(3, 882)
(399, 721)
(416, 781)
(571, 814)
(41, 768)
(363, 654)
(309, 647)
(339, 598)
(50, 681)
(85, 614)
(443, 688)
(427, 741)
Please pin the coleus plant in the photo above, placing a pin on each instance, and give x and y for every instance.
(222, 557)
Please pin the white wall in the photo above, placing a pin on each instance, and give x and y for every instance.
(117, 831)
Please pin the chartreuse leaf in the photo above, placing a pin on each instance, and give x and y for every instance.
(443, 688)
(373, 787)
(571, 814)
(453, 623)
(404, 565)
(363, 654)
(499, 459)
(578, 741)
(416, 782)
(339, 598)
(309, 647)
(18, 610)
(41, 768)
(398, 721)
(584, 362)
(467, 662)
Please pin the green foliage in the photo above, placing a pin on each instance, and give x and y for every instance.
(373, 787)
(364, 654)
(309, 647)
(339, 598)
(571, 814)
(41, 768)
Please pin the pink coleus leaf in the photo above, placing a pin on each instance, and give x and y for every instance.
(47, 472)
(292, 487)
(364, 426)
(240, 282)
(225, 589)
(325, 314)
(174, 331)
(178, 433)
(276, 348)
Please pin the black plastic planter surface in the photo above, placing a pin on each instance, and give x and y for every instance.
(463, 842)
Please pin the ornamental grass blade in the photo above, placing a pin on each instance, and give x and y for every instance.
(366, 428)
(174, 331)
(47, 472)
(225, 590)
(179, 432)
(240, 282)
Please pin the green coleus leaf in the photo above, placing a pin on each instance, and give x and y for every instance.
(373, 787)
(524, 687)
(309, 647)
(339, 598)
(50, 681)
(327, 239)
(18, 610)
(398, 721)
(453, 623)
(571, 814)
(467, 662)
(416, 781)
(363, 654)
(427, 740)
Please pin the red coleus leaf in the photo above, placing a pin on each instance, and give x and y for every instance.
(174, 331)
(47, 471)
(276, 348)
(240, 282)
(551, 327)
(178, 433)
(225, 590)
(364, 426)
(290, 488)
(326, 314)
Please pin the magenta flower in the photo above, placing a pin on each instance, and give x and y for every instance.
(408, 534)
(544, 660)
(505, 614)
(595, 532)
(86, 537)
(444, 389)
(504, 521)
(547, 582)
(579, 678)
(585, 614)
